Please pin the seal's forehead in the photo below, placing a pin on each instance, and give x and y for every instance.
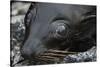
(47, 11)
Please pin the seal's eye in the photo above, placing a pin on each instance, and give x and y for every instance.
(60, 28)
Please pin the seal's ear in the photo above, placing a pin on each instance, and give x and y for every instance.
(29, 18)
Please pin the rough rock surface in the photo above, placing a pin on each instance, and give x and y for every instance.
(87, 56)
(17, 29)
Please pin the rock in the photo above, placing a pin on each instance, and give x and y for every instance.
(87, 56)
(17, 29)
(19, 8)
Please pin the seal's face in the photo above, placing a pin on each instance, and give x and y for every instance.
(52, 27)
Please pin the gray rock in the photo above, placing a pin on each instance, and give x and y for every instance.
(19, 8)
(87, 56)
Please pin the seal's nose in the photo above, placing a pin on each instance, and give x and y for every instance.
(32, 48)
